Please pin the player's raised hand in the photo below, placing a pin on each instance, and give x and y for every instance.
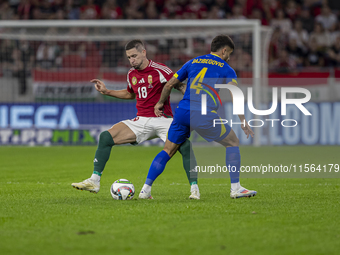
(100, 86)
(159, 109)
(247, 130)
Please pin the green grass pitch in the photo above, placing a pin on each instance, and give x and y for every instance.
(40, 213)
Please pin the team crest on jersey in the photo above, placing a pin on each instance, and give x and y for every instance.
(150, 81)
(134, 80)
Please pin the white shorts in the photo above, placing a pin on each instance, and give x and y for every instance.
(146, 128)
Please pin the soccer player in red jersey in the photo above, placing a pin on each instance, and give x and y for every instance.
(145, 80)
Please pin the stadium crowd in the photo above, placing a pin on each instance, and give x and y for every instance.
(306, 32)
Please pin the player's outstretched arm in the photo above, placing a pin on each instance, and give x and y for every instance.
(165, 94)
(181, 87)
(246, 128)
(122, 94)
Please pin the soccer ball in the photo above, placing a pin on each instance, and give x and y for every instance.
(122, 189)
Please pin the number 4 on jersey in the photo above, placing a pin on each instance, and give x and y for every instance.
(199, 76)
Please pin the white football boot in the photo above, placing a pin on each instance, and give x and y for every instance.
(195, 193)
(242, 192)
(145, 195)
(88, 184)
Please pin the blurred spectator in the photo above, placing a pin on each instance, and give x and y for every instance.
(215, 13)
(151, 10)
(60, 14)
(250, 5)
(171, 9)
(111, 10)
(196, 10)
(27, 59)
(72, 9)
(320, 36)
(296, 52)
(13, 3)
(300, 35)
(44, 62)
(58, 4)
(15, 68)
(280, 21)
(236, 12)
(47, 11)
(81, 51)
(303, 38)
(327, 18)
(66, 50)
(25, 9)
(284, 64)
(314, 56)
(90, 10)
(48, 55)
(292, 10)
(335, 33)
(334, 53)
(135, 9)
(6, 49)
(307, 20)
(240, 60)
(6, 12)
(270, 7)
(246, 43)
(17, 65)
(223, 7)
(257, 14)
(36, 13)
(27, 54)
(276, 43)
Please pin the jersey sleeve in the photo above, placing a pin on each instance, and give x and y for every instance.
(165, 72)
(231, 75)
(182, 73)
(129, 87)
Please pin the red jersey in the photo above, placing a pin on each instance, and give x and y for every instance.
(148, 84)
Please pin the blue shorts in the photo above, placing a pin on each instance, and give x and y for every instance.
(185, 121)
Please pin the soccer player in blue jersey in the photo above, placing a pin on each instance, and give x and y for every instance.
(202, 73)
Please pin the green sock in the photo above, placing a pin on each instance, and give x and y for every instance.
(189, 161)
(103, 152)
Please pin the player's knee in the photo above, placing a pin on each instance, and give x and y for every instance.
(105, 138)
(230, 141)
(168, 152)
(234, 142)
(185, 147)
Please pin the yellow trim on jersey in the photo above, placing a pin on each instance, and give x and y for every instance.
(235, 81)
(175, 75)
(215, 55)
(214, 111)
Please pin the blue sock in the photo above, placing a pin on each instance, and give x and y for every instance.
(233, 159)
(157, 167)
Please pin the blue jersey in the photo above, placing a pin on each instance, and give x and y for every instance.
(203, 73)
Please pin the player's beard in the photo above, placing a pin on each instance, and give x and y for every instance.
(137, 67)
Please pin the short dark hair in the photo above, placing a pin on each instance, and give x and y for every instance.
(221, 41)
(138, 44)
